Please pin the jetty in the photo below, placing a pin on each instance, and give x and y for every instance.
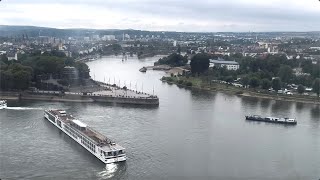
(102, 92)
(158, 67)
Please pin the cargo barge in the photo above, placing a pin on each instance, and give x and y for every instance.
(290, 121)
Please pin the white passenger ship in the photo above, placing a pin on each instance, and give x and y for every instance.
(97, 144)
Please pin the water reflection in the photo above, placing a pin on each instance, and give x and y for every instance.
(299, 106)
(281, 107)
(315, 113)
(249, 101)
(198, 94)
(113, 170)
(265, 103)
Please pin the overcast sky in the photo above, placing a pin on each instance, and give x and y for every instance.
(165, 15)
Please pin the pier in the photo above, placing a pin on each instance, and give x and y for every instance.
(100, 93)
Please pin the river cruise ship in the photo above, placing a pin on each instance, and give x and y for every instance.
(97, 144)
(272, 119)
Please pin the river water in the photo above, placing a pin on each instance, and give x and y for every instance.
(191, 135)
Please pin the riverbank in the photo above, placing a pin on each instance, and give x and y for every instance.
(166, 68)
(196, 83)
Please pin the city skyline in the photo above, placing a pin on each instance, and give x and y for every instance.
(200, 16)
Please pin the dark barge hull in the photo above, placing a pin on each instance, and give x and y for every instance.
(269, 121)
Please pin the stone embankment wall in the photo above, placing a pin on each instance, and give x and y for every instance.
(77, 98)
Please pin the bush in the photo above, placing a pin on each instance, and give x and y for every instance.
(180, 81)
(170, 79)
(189, 84)
(63, 82)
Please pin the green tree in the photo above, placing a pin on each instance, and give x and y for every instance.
(22, 57)
(199, 63)
(179, 49)
(306, 66)
(254, 82)
(265, 84)
(300, 89)
(245, 81)
(229, 79)
(173, 59)
(315, 70)
(16, 76)
(116, 47)
(4, 59)
(285, 73)
(316, 86)
(83, 70)
(276, 84)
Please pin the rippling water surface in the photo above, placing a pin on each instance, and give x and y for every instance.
(191, 135)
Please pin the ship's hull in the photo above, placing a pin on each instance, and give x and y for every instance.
(62, 126)
(260, 119)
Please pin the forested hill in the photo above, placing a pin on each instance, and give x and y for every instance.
(35, 31)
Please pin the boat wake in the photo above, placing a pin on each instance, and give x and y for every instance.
(109, 171)
(22, 108)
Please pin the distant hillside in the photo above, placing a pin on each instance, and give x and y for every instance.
(34, 31)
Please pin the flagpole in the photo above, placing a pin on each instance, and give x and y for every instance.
(142, 87)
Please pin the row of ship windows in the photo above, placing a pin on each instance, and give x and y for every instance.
(92, 148)
(113, 153)
(72, 134)
(52, 118)
(84, 140)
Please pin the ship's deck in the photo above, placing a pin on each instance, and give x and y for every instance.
(100, 140)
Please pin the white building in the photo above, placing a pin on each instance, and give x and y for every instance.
(108, 37)
(12, 56)
(95, 37)
(174, 43)
(230, 65)
(127, 36)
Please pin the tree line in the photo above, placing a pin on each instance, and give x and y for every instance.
(271, 71)
(20, 75)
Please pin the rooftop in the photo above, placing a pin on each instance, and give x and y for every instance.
(79, 123)
(222, 61)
